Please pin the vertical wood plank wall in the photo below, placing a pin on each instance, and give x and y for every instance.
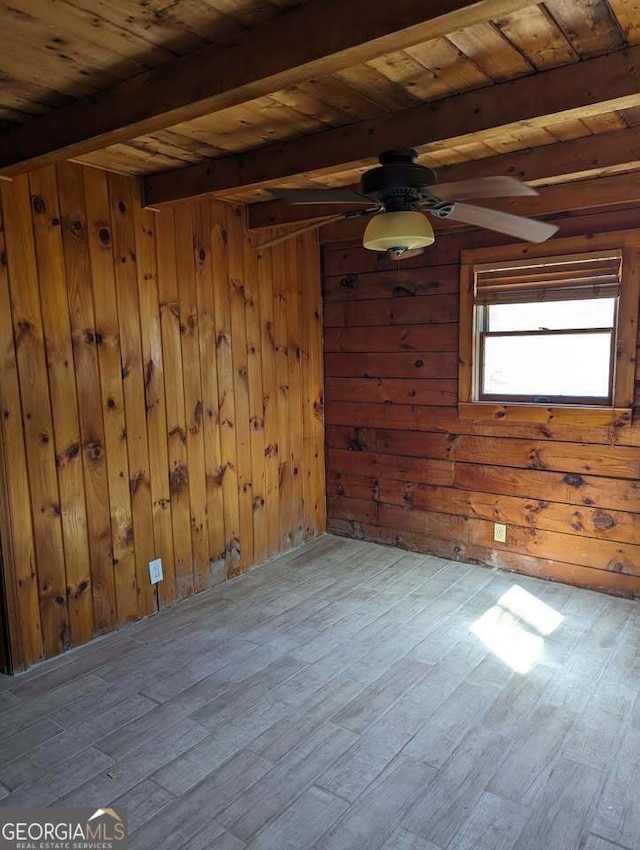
(161, 395)
(402, 468)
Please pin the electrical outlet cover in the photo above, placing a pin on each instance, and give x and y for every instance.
(500, 532)
(155, 570)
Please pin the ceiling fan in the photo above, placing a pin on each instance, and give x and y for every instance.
(399, 192)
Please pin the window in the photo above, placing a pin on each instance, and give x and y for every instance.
(545, 329)
(554, 330)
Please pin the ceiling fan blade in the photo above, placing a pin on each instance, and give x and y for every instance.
(482, 187)
(527, 229)
(320, 196)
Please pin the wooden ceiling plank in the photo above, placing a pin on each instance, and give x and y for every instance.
(279, 53)
(491, 51)
(327, 115)
(353, 104)
(404, 71)
(93, 29)
(370, 82)
(451, 67)
(208, 23)
(564, 131)
(249, 14)
(150, 23)
(587, 24)
(30, 63)
(519, 138)
(581, 157)
(52, 46)
(604, 83)
(627, 14)
(606, 122)
(125, 159)
(537, 36)
(199, 149)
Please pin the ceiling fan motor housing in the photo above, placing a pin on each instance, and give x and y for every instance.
(399, 181)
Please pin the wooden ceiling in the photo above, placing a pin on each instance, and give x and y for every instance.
(57, 52)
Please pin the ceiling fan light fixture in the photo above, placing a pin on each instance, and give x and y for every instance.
(401, 231)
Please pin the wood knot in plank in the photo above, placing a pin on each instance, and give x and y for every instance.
(178, 432)
(402, 292)
(603, 521)
(72, 451)
(178, 478)
(82, 587)
(535, 461)
(572, 479)
(38, 204)
(196, 422)
(136, 480)
(94, 450)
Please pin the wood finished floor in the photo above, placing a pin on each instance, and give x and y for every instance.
(346, 696)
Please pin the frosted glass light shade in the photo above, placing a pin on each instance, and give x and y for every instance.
(406, 229)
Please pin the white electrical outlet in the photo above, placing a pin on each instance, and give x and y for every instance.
(155, 570)
(499, 532)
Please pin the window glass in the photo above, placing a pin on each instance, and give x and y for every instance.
(568, 365)
(552, 315)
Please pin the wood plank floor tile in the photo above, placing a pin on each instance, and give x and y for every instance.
(152, 753)
(68, 775)
(440, 812)
(563, 806)
(302, 823)
(400, 839)
(532, 751)
(380, 695)
(371, 819)
(28, 768)
(598, 731)
(143, 802)
(618, 814)
(278, 788)
(178, 823)
(439, 737)
(495, 823)
(594, 842)
(291, 728)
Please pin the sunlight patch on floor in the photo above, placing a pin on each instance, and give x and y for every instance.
(515, 627)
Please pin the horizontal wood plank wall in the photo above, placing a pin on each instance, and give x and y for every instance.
(404, 469)
(161, 395)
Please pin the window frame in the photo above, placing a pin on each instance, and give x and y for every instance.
(617, 411)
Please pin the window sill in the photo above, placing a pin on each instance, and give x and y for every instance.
(544, 414)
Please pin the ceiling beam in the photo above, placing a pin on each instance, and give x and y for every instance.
(559, 162)
(595, 85)
(319, 37)
(584, 195)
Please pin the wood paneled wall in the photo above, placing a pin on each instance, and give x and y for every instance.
(403, 468)
(161, 395)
